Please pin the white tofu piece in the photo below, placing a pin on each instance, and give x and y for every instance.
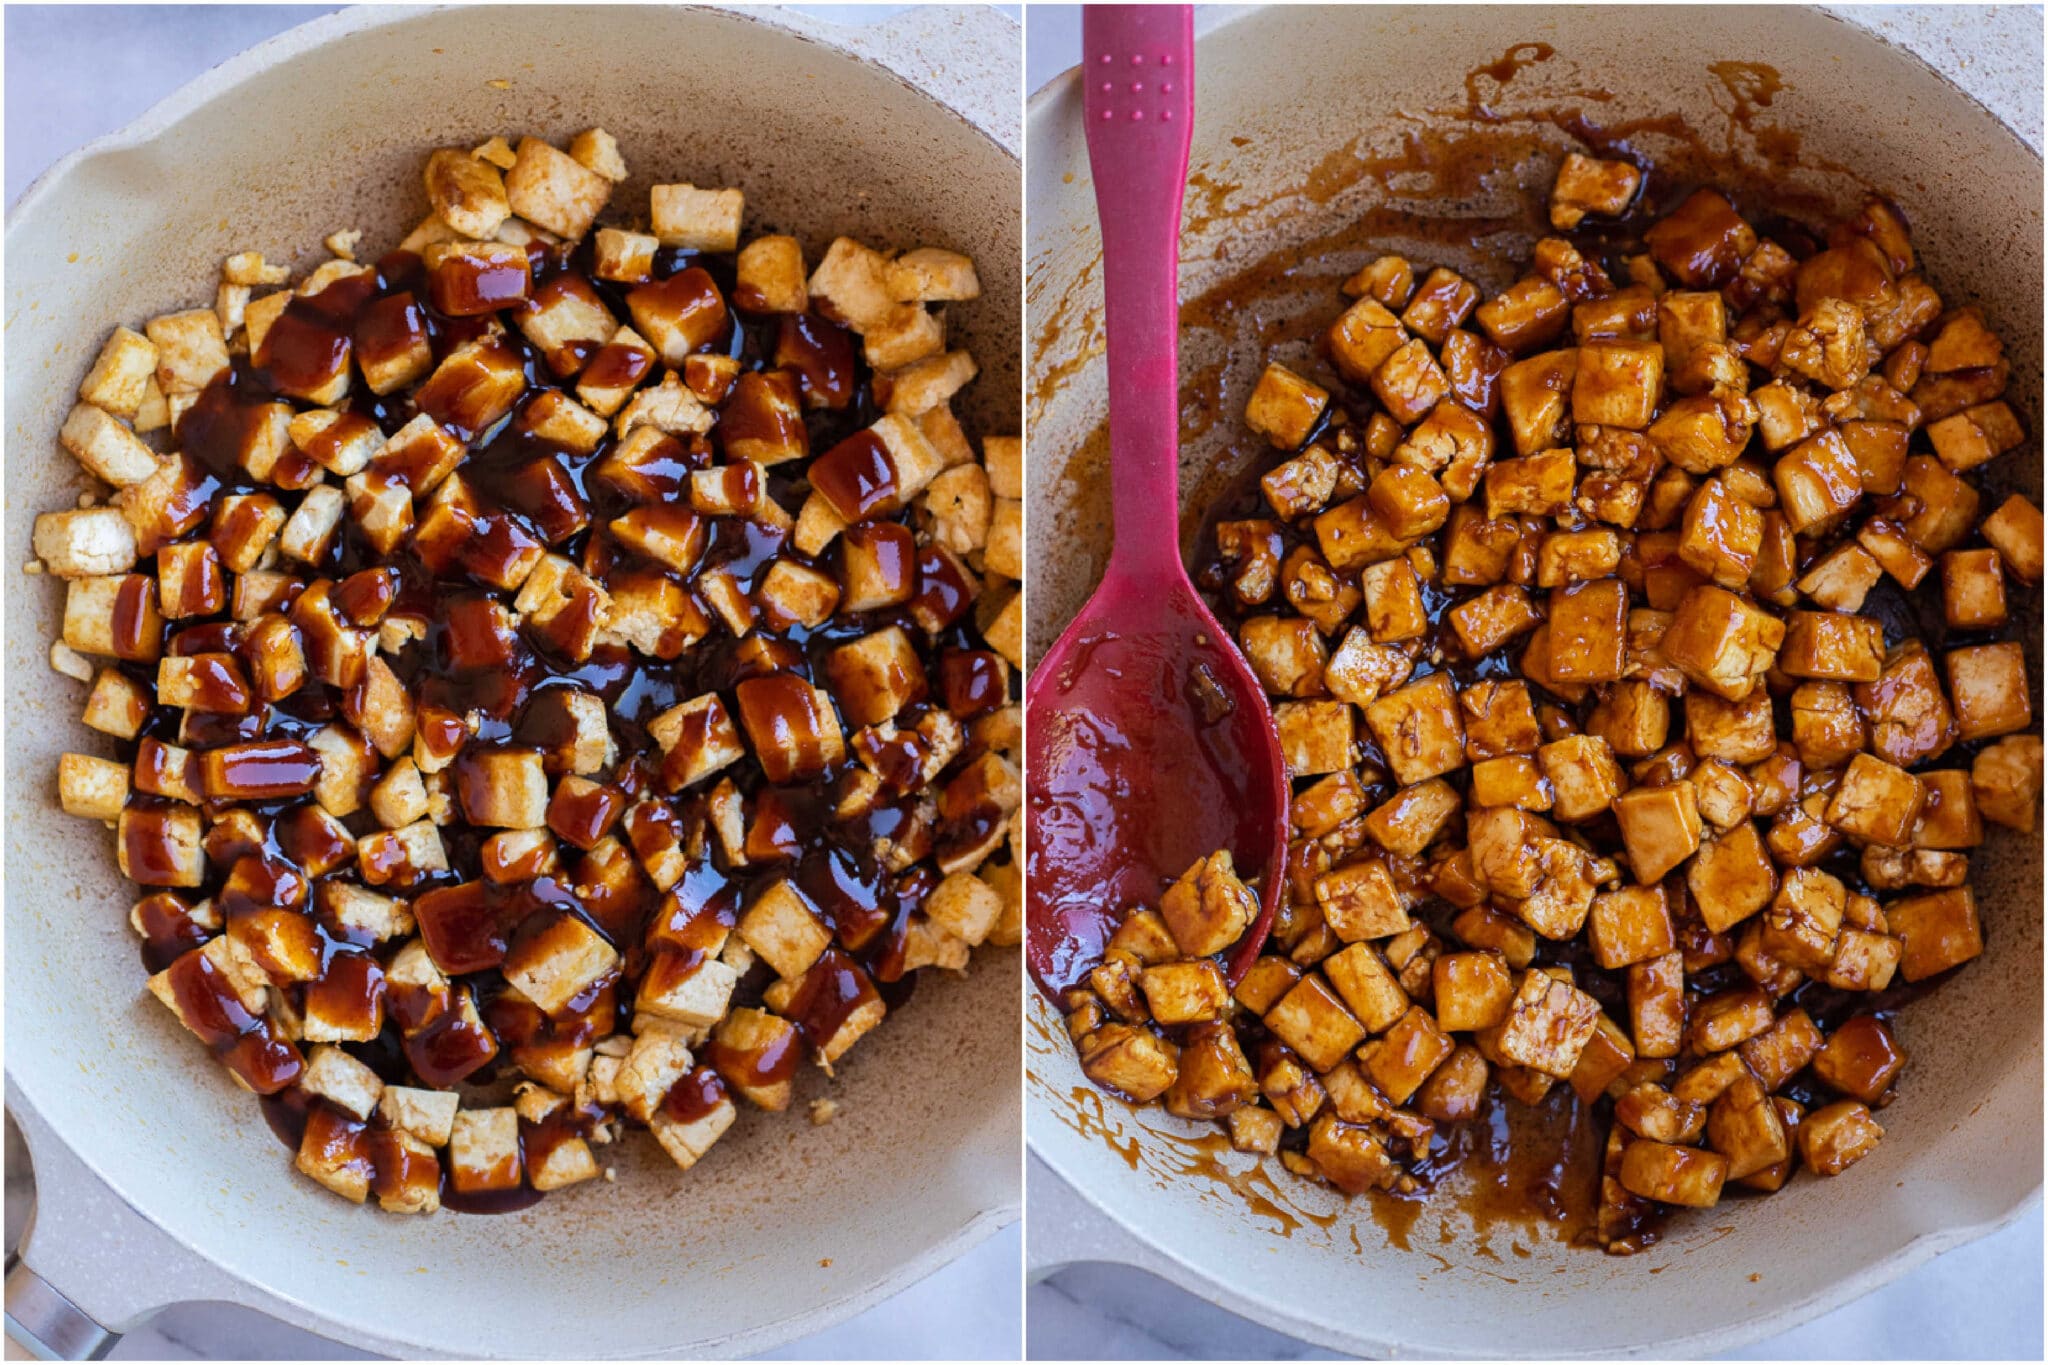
(341, 1080)
(92, 788)
(784, 930)
(659, 1058)
(549, 187)
(964, 906)
(311, 527)
(107, 449)
(555, 964)
(687, 1142)
(698, 998)
(120, 378)
(483, 1150)
(696, 219)
(599, 150)
(932, 274)
(428, 1115)
(86, 543)
(190, 350)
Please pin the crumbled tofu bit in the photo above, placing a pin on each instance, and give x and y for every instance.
(823, 1111)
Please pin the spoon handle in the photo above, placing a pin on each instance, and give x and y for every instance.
(1137, 69)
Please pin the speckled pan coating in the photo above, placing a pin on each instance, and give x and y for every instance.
(1298, 85)
(906, 133)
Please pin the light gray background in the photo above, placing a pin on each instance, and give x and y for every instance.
(77, 72)
(1982, 1301)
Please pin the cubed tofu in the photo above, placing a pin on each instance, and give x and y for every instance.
(1722, 642)
(1401, 1060)
(2015, 531)
(1731, 877)
(1630, 925)
(1360, 901)
(1313, 1021)
(1587, 185)
(1284, 407)
(551, 189)
(1316, 736)
(1471, 991)
(1419, 729)
(107, 448)
(1860, 1059)
(1837, 1136)
(1938, 930)
(1989, 686)
(1133, 1062)
(1208, 908)
(483, 1150)
(1877, 802)
(1548, 1024)
(696, 219)
(784, 930)
(2005, 781)
(1583, 774)
(1185, 993)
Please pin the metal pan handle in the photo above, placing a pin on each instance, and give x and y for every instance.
(46, 1324)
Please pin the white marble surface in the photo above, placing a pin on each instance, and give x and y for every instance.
(1983, 1301)
(74, 74)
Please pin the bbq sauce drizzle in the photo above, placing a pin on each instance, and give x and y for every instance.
(531, 491)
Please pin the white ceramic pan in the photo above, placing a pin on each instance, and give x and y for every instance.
(1326, 125)
(157, 1180)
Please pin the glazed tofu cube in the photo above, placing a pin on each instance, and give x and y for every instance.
(1949, 818)
(559, 961)
(1402, 1060)
(1586, 185)
(1287, 654)
(1842, 578)
(1409, 382)
(1214, 1076)
(1876, 801)
(1313, 1021)
(503, 788)
(1316, 736)
(1413, 818)
(1209, 908)
(1630, 925)
(1702, 242)
(1827, 728)
(1528, 314)
(1722, 642)
(1938, 930)
(1721, 535)
(784, 931)
(1362, 978)
(710, 1112)
(1804, 922)
(1651, 1111)
(1829, 644)
(1656, 1005)
(1817, 481)
(551, 189)
(1361, 340)
(696, 220)
(1443, 302)
(1989, 686)
(1617, 384)
(658, 1059)
(2015, 531)
(1910, 719)
(876, 676)
(1836, 1137)
(1393, 602)
(1947, 505)
(1671, 1174)
(1548, 1024)
(2005, 781)
(1588, 631)
(1471, 990)
(1723, 1021)
(1498, 718)
(483, 1149)
(1132, 1062)
(1972, 589)
(1731, 877)
(1360, 901)
(1634, 719)
(1255, 1130)
(1975, 435)
(108, 450)
(1284, 407)
(118, 705)
(95, 542)
(695, 996)
(1826, 344)
(1557, 905)
(1490, 619)
(1512, 781)
(1607, 1055)
(1538, 485)
(697, 738)
(1860, 1059)
(1185, 993)
(1584, 775)
(466, 192)
(1419, 730)
(1745, 1126)
(335, 1151)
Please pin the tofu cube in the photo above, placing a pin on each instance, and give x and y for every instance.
(483, 1150)
(503, 788)
(1362, 339)
(1671, 1174)
(695, 219)
(559, 961)
(1471, 991)
(1989, 686)
(1587, 185)
(1722, 642)
(1731, 877)
(1938, 931)
(1133, 1062)
(1404, 1058)
(1837, 1136)
(1312, 1020)
(1860, 1059)
(1630, 925)
(1548, 1024)
(1361, 977)
(1284, 407)
(688, 1131)
(1419, 729)
(1185, 993)
(1316, 736)
(782, 928)
(551, 189)
(108, 450)
(1583, 774)
(1660, 827)
(1209, 907)
(1360, 901)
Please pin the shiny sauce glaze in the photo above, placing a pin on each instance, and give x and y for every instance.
(481, 685)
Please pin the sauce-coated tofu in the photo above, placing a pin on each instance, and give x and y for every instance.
(1722, 642)
(1989, 685)
(1419, 730)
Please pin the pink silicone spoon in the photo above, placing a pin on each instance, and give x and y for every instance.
(1150, 743)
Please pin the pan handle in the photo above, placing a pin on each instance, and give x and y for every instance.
(46, 1324)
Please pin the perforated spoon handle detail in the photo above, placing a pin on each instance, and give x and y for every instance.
(1138, 95)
